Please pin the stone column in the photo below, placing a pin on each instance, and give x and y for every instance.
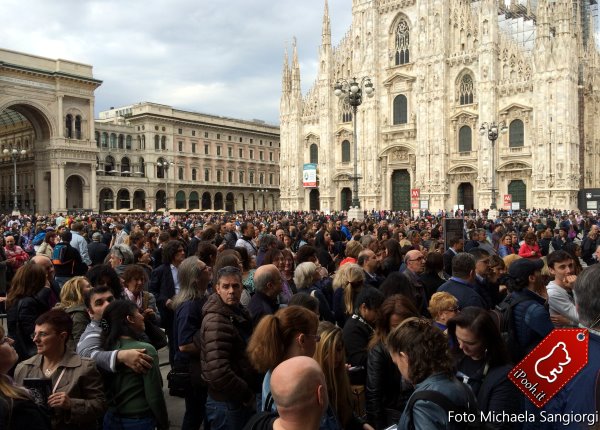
(62, 197)
(93, 192)
(61, 118)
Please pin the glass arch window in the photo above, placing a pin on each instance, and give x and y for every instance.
(465, 139)
(314, 153)
(402, 42)
(400, 109)
(516, 134)
(78, 127)
(345, 151)
(69, 126)
(466, 90)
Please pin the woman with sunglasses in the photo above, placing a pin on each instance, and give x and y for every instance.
(77, 396)
(290, 332)
(442, 307)
(482, 362)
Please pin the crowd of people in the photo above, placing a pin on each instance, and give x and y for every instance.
(299, 320)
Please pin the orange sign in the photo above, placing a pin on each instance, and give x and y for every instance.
(507, 201)
(415, 193)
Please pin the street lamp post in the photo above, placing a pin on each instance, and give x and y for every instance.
(352, 91)
(492, 130)
(165, 165)
(14, 154)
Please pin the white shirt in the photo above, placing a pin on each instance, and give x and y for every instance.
(174, 272)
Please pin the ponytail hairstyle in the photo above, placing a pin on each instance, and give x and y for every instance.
(114, 323)
(274, 335)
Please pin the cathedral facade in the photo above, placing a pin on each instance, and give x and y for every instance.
(441, 70)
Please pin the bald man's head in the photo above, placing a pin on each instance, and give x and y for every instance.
(298, 385)
(267, 279)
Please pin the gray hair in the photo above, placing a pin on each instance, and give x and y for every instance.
(304, 274)
(263, 277)
(190, 288)
(587, 296)
(463, 264)
(124, 253)
(228, 271)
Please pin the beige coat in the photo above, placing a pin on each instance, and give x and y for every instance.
(81, 381)
(45, 249)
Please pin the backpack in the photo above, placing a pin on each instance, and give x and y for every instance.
(38, 238)
(448, 405)
(502, 316)
(58, 255)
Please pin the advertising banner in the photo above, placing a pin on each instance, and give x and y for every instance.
(309, 175)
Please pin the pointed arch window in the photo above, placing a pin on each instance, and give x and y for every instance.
(516, 134)
(346, 111)
(314, 153)
(465, 139)
(466, 90)
(345, 151)
(402, 42)
(400, 109)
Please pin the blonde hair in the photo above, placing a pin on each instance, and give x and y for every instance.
(346, 274)
(441, 302)
(353, 248)
(71, 293)
(509, 259)
(336, 376)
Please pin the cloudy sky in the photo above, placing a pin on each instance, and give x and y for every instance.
(222, 57)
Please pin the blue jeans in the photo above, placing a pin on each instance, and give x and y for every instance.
(227, 415)
(195, 408)
(112, 422)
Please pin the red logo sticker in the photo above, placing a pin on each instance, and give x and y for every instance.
(551, 364)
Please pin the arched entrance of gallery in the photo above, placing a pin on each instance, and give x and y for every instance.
(74, 188)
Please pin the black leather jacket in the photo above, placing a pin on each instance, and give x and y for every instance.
(386, 391)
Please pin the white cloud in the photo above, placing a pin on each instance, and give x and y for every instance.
(218, 57)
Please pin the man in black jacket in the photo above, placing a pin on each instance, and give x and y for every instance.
(97, 250)
(456, 245)
(164, 284)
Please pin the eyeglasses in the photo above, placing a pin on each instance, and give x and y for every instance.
(40, 335)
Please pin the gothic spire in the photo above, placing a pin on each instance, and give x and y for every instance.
(295, 70)
(285, 76)
(326, 34)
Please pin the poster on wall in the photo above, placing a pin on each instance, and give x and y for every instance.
(309, 175)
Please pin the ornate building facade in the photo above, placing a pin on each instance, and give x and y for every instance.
(154, 156)
(442, 69)
(145, 156)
